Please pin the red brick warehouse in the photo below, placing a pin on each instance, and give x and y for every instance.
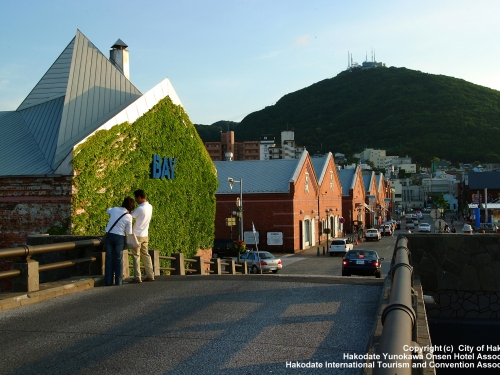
(281, 197)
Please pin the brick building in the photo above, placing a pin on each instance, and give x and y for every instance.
(353, 197)
(228, 149)
(81, 93)
(291, 199)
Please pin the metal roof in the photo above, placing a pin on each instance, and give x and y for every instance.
(259, 176)
(27, 156)
(484, 180)
(367, 180)
(320, 166)
(346, 177)
(80, 92)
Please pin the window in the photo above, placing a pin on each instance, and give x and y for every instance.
(307, 183)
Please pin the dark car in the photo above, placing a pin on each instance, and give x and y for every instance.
(362, 262)
(223, 248)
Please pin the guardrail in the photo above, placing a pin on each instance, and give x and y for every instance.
(196, 265)
(26, 272)
(399, 317)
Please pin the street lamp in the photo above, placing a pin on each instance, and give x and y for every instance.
(239, 204)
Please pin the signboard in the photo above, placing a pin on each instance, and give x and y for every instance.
(275, 238)
(439, 224)
(248, 237)
(230, 221)
(163, 168)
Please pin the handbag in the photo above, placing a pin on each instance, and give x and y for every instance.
(104, 238)
(131, 242)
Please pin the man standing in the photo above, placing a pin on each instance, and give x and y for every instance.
(142, 216)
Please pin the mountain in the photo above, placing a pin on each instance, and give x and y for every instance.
(404, 111)
(211, 133)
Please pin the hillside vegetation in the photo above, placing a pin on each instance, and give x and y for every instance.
(404, 111)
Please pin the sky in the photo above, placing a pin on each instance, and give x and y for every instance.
(229, 58)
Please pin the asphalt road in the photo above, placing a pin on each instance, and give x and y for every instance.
(226, 324)
(332, 266)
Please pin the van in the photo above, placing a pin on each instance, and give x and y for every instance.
(410, 224)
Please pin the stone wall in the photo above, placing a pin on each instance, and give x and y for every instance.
(460, 271)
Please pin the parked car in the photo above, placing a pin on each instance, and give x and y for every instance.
(362, 262)
(386, 230)
(261, 260)
(409, 224)
(340, 246)
(223, 248)
(373, 235)
(424, 227)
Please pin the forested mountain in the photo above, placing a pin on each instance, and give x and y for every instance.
(404, 111)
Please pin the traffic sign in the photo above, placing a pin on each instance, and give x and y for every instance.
(433, 214)
(439, 225)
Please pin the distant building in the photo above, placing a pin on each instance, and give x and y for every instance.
(288, 149)
(228, 149)
(267, 141)
(351, 65)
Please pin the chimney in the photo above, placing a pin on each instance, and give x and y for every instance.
(119, 57)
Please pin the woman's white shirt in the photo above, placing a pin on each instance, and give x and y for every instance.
(122, 227)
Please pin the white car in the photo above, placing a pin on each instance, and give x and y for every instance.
(340, 246)
(424, 227)
(373, 235)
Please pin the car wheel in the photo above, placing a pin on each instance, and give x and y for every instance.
(275, 271)
(255, 269)
(331, 254)
(344, 273)
(378, 275)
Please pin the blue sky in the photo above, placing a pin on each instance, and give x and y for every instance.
(228, 58)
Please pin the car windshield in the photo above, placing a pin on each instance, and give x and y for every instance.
(338, 242)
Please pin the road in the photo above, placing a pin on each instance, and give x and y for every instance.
(308, 263)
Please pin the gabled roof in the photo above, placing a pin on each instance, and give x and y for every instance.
(380, 181)
(79, 93)
(259, 176)
(368, 180)
(320, 166)
(347, 179)
(484, 180)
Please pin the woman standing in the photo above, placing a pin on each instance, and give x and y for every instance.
(119, 225)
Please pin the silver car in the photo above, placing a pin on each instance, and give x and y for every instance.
(263, 260)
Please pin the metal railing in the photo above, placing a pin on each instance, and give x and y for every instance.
(399, 317)
(26, 272)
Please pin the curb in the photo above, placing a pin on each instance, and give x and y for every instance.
(49, 290)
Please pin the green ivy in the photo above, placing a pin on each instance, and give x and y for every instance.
(112, 164)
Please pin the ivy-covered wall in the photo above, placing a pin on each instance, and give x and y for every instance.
(112, 164)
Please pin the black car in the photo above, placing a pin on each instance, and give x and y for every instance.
(362, 262)
(223, 248)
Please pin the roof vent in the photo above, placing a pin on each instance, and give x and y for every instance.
(119, 56)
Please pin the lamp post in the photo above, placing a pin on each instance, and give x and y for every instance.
(239, 205)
